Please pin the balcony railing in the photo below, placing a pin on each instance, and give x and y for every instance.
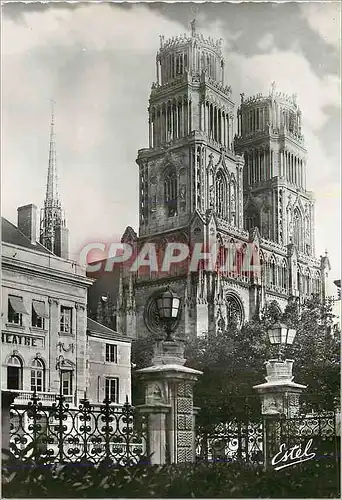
(44, 397)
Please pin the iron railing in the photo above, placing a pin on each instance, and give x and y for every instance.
(87, 434)
(321, 430)
(245, 439)
(230, 442)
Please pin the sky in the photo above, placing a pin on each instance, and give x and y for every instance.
(97, 61)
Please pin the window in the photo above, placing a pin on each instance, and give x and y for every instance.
(37, 375)
(38, 314)
(14, 373)
(66, 382)
(112, 390)
(16, 309)
(66, 318)
(170, 192)
(111, 353)
(221, 195)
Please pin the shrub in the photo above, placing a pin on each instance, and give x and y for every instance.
(315, 479)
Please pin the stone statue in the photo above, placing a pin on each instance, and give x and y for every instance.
(211, 196)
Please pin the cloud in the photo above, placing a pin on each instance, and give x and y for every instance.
(89, 27)
(325, 19)
(293, 75)
(98, 62)
(316, 96)
(266, 41)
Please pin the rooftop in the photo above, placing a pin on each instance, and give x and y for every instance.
(11, 234)
(103, 331)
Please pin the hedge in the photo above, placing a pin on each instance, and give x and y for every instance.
(312, 479)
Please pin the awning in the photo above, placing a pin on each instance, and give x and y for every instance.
(17, 304)
(39, 309)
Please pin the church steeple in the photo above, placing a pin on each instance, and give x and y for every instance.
(52, 181)
(53, 231)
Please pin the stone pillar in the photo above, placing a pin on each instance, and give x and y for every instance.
(169, 404)
(52, 339)
(279, 400)
(7, 399)
(81, 343)
(157, 449)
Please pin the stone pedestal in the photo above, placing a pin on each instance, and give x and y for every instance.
(279, 395)
(169, 404)
(279, 400)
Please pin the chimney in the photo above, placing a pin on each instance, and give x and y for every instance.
(27, 222)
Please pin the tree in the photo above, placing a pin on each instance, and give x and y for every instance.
(316, 352)
(233, 361)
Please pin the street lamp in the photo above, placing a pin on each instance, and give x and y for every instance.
(281, 335)
(168, 305)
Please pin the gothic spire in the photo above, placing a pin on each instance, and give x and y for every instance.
(53, 232)
(52, 181)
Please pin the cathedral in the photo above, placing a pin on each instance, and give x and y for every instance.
(210, 174)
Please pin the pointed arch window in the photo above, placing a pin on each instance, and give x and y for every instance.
(233, 203)
(299, 281)
(170, 192)
(234, 311)
(283, 275)
(221, 195)
(298, 229)
(37, 375)
(14, 373)
(273, 273)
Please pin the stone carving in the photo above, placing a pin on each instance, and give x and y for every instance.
(182, 196)
(154, 203)
(211, 196)
(271, 405)
(61, 347)
(221, 324)
(185, 423)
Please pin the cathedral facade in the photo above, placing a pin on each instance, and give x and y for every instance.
(214, 175)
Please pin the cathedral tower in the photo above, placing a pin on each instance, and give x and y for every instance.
(271, 140)
(190, 128)
(54, 234)
(195, 179)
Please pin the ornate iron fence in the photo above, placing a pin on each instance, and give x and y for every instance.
(88, 434)
(231, 441)
(241, 440)
(320, 431)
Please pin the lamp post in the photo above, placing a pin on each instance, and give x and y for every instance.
(168, 306)
(167, 383)
(281, 335)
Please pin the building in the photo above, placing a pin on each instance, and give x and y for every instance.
(48, 343)
(109, 364)
(213, 176)
(44, 316)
